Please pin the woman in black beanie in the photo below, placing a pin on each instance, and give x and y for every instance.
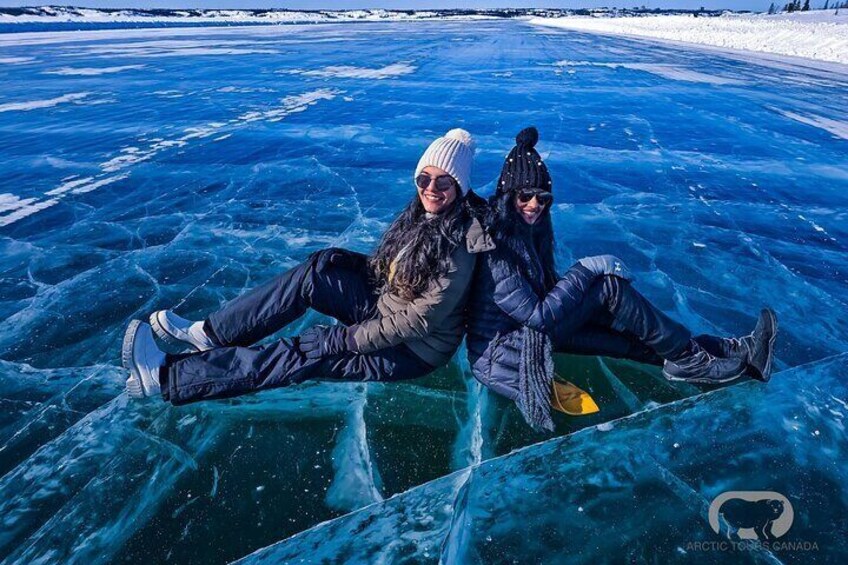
(521, 310)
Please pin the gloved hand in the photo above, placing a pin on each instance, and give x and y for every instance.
(602, 265)
(319, 342)
(341, 258)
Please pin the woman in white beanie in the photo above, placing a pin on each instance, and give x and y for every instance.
(400, 311)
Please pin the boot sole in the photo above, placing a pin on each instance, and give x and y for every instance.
(704, 381)
(134, 388)
(169, 338)
(761, 376)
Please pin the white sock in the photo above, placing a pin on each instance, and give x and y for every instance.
(200, 337)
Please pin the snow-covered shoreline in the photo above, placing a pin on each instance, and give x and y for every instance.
(49, 14)
(59, 15)
(819, 35)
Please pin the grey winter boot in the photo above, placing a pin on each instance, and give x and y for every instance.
(142, 359)
(756, 349)
(697, 365)
(182, 333)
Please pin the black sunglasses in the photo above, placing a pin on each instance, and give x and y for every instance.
(442, 183)
(542, 197)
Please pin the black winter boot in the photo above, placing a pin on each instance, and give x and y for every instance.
(756, 349)
(685, 359)
(697, 365)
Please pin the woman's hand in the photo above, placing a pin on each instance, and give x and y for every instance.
(341, 258)
(601, 265)
(319, 342)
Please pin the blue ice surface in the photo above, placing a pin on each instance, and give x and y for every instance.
(144, 169)
(634, 490)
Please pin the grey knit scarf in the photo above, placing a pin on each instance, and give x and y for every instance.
(536, 380)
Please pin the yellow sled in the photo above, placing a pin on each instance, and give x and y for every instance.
(572, 400)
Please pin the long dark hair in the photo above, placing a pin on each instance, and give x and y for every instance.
(515, 238)
(428, 244)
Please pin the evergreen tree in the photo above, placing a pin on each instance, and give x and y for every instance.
(826, 2)
(806, 7)
(771, 8)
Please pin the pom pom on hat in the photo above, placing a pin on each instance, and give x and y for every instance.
(524, 167)
(453, 153)
(528, 137)
(462, 135)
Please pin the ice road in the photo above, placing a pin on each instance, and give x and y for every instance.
(145, 169)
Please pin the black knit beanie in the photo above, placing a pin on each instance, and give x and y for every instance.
(524, 167)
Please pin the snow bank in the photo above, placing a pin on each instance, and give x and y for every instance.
(819, 35)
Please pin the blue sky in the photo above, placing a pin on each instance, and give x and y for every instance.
(403, 4)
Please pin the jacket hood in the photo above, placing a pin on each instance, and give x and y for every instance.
(477, 239)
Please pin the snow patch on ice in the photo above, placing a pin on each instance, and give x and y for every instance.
(69, 186)
(15, 60)
(23, 208)
(168, 93)
(170, 47)
(97, 184)
(815, 226)
(671, 72)
(38, 104)
(28, 207)
(130, 156)
(290, 105)
(836, 127)
(12, 202)
(244, 89)
(203, 51)
(344, 71)
(91, 71)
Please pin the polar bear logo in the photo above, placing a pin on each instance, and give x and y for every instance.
(751, 515)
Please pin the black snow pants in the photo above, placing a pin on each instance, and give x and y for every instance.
(238, 367)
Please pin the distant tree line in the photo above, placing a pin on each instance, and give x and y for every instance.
(796, 6)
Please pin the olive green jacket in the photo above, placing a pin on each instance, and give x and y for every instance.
(431, 325)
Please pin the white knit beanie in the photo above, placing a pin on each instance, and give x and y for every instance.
(452, 153)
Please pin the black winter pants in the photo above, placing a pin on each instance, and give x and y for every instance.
(341, 290)
(615, 320)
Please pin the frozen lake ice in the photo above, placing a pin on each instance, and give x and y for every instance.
(154, 168)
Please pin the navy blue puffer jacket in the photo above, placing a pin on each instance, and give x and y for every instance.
(508, 294)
